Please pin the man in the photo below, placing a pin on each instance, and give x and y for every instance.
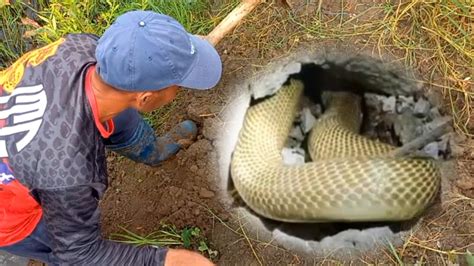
(61, 105)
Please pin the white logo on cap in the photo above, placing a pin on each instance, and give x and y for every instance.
(193, 50)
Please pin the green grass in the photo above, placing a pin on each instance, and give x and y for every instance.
(395, 254)
(169, 236)
(94, 16)
(59, 17)
(434, 37)
(12, 42)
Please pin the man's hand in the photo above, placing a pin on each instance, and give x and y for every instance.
(181, 257)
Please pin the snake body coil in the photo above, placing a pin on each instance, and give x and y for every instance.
(349, 178)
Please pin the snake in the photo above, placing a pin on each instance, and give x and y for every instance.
(350, 177)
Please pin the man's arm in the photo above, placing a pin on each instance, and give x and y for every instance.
(135, 139)
(72, 219)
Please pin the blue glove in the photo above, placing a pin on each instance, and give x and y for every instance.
(135, 139)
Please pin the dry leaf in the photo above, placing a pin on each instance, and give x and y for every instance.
(29, 21)
(29, 33)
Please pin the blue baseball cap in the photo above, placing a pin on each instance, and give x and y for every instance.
(147, 51)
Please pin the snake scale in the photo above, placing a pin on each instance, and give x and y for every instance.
(349, 179)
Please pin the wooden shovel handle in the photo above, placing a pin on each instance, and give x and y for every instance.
(231, 20)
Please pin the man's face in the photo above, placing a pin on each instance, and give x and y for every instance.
(150, 101)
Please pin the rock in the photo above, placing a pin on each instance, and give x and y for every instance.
(307, 120)
(211, 128)
(407, 127)
(434, 113)
(195, 111)
(316, 110)
(206, 194)
(193, 168)
(292, 143)
(388, 104)
(434, 97)
(374, 101)
(198, 148)
(296, 134)
(422, 108)
(456, 150)
(443, 143)
(293, 156)
(404, 103)
(432, 150)
(435, 123)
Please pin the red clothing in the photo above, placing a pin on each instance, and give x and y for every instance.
(104, 131)
(19, 213)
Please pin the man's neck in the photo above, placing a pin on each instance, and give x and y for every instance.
(110, 102)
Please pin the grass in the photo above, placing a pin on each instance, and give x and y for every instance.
(438, 37)
(422, 249)
(432, 37)
(395, 254)
(94, 16)
(169, 236)
(12, 31)
(55, 18)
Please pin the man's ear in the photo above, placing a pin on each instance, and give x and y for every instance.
(143, 98)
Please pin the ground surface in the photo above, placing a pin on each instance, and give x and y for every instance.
(184, 190)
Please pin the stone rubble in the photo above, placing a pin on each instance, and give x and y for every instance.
(293, 156)
(307, 120)
(394, 119)
(422, 108)
(413, 118)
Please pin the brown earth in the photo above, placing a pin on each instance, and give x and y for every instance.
(184, 190)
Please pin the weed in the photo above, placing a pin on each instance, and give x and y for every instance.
(203, 247)
(59, 17)
(168, 235)
(469, 258)
(433, 37)
(394, 253)
(12, 43)
(188, 234)
(94, 16)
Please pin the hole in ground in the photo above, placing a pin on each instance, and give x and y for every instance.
(389, 117)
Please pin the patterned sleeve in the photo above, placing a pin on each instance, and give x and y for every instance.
(72, 219)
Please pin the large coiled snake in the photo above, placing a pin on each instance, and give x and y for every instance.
(350, 178)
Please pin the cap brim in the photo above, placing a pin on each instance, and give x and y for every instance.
(207, 69)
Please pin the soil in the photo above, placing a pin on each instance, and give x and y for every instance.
(185, 191)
